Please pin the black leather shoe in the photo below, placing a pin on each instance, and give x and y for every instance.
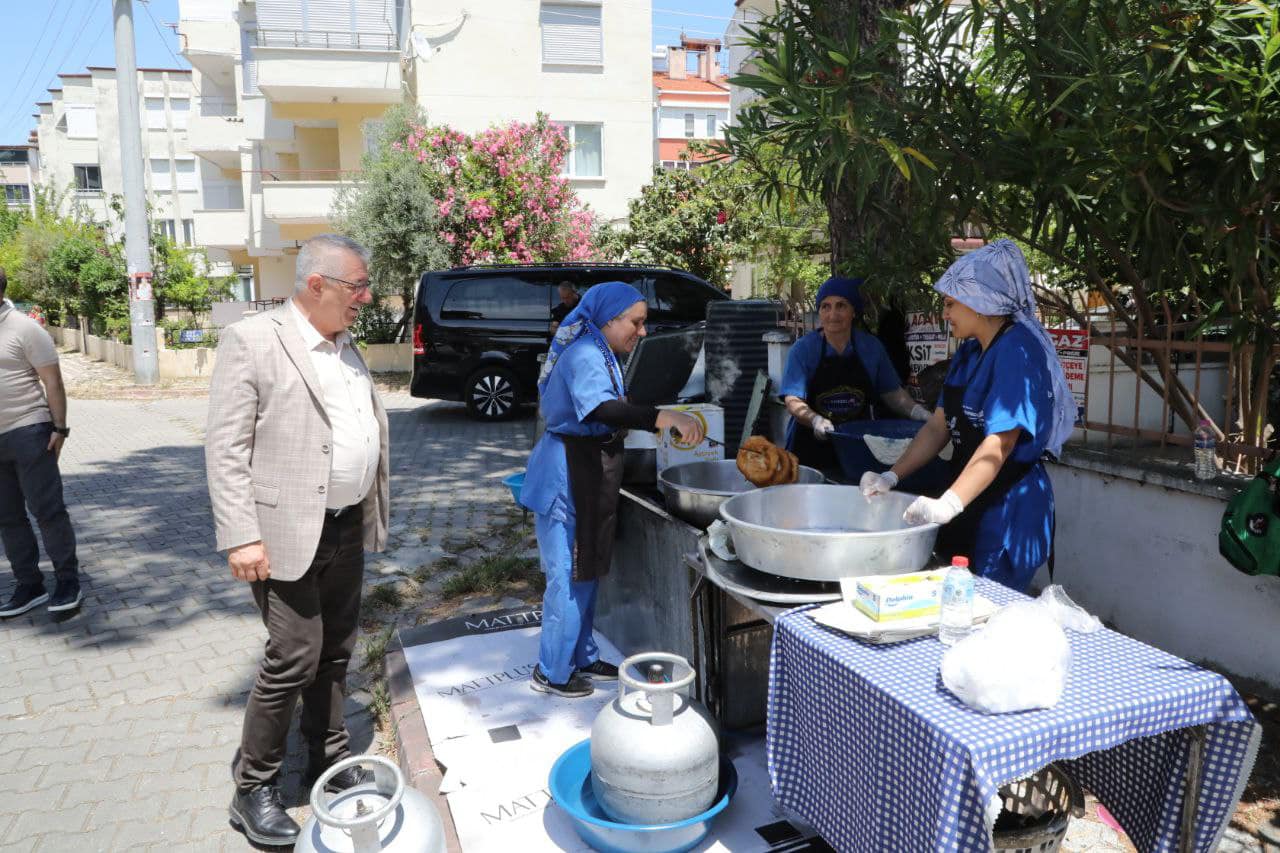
(575, 688)
(348, 778)
(600, 670)
(260, 815)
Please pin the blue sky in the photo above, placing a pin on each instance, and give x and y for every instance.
(53, 36)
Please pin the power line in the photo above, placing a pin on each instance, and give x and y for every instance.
(146, 6)
(23, 91)
(61, 63)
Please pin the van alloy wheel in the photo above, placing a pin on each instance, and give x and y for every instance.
(491, 394)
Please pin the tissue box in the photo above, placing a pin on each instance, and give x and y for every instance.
(673, 451)
(884, 598)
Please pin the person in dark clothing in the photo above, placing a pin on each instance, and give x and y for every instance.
(892, 332)
(569, 299)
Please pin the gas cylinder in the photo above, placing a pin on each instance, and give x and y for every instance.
(655, 753)
(384, 814)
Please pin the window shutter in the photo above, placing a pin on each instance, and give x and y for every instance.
(161, 177)
(186, 175)
(155, 113)
(180, 109)
(571, 34)
(82, 121)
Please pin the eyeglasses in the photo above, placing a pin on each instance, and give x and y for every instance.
(349, 285)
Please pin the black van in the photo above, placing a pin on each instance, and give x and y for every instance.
(478, 330)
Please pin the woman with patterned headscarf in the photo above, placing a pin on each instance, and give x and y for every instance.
(1005, 405)
(575, 473)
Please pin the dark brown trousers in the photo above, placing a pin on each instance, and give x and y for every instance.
(311, 633)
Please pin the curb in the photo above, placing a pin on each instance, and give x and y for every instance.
(413, 747)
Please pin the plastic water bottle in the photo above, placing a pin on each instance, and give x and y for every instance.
(1206, 446)
(956, 620)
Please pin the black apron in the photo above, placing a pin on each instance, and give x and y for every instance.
(959, 538)
(595, 483)
(841, 391)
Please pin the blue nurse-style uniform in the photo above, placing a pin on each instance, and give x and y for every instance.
(1016, 383)
(573, 478)
(1007, 387)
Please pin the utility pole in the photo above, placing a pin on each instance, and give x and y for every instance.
(137, 238)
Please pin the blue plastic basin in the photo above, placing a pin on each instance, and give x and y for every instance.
(571, 787)
(856, 458)
(515, 482)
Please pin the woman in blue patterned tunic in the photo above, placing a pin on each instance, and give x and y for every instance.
(1005, 405)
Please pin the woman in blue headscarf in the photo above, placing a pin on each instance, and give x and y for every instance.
(1005, 405)
(575, 472)
(835, 374)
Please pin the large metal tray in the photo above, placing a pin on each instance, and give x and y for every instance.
(824, 532)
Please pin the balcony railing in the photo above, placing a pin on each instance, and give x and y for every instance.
(326, 39)
(308, 175)
(216, 106)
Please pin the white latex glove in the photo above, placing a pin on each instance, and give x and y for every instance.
(919, 413)
(934, 510)
(821, 427)
(873, 484)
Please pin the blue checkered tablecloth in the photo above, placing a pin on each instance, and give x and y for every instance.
(866, 744)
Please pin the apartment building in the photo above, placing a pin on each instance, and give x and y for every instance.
(19, 175)
(289, 95)
(746, 14)
(78, 138)
(689, 104)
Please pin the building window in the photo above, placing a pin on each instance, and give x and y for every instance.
(164, 227)
(688, 125)
(154, 109)
(711, 126)
(187, 179)
(189, 232)
(571, 34)
(17, 194)
(180, 109)
(82, 121)
(371, 128)
(88, 180)
(586, 156)
(161, 177)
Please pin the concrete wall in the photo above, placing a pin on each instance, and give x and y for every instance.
(671, 122)
(173, 364)
(1144, 558)
(388, 358)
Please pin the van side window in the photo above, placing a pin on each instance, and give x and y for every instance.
(679, 298)
(498, 298)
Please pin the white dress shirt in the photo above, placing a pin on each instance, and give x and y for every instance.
(348, 401)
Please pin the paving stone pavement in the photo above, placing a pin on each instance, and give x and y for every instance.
(119, 723)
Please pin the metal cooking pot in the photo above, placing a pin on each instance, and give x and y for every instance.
(695, 490)
(824, 533)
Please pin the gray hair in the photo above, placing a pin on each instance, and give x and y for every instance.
(316, 251)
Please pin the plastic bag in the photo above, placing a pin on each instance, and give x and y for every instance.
(720, 541)
(1020, 659)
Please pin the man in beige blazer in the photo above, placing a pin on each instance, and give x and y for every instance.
(296, 455)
